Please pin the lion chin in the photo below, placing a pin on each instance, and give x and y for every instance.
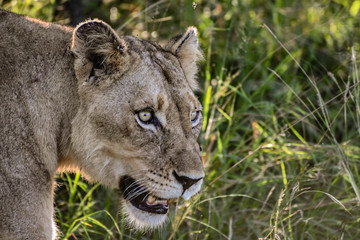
(141, 220)
(143, 210)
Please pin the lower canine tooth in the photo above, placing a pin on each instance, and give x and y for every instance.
(171, 200)
(151, 199)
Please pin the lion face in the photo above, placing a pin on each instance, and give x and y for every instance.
(138, 122)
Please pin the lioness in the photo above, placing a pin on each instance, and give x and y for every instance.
(119, 109)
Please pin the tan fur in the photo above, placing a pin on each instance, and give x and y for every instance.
(69, 100)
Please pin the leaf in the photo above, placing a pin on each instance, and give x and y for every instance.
(354, 9)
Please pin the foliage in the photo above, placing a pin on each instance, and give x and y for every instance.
(281, 96)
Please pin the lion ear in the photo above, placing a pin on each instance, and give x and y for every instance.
(186, 48)
(96, 47)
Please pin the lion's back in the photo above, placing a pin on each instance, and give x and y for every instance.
(28, 46)
(35, 63)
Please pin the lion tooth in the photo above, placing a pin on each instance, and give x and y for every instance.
(171, 200)
(151, 199)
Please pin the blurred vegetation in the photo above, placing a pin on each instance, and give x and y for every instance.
(281, 136)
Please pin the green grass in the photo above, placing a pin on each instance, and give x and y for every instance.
(281, 136)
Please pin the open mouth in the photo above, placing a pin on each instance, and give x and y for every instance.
(142, 199)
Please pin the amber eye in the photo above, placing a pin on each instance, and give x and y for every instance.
(145, 116)
(147, 120)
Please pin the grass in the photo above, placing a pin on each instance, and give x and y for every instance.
(281, 136)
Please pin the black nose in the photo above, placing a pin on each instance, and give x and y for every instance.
(186, 182)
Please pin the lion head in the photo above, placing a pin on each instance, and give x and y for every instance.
(138, 121)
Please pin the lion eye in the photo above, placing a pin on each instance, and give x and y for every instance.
(145, 116)
(194, 117)
(147, 120)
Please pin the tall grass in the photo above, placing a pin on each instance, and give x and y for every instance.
(281, 136)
